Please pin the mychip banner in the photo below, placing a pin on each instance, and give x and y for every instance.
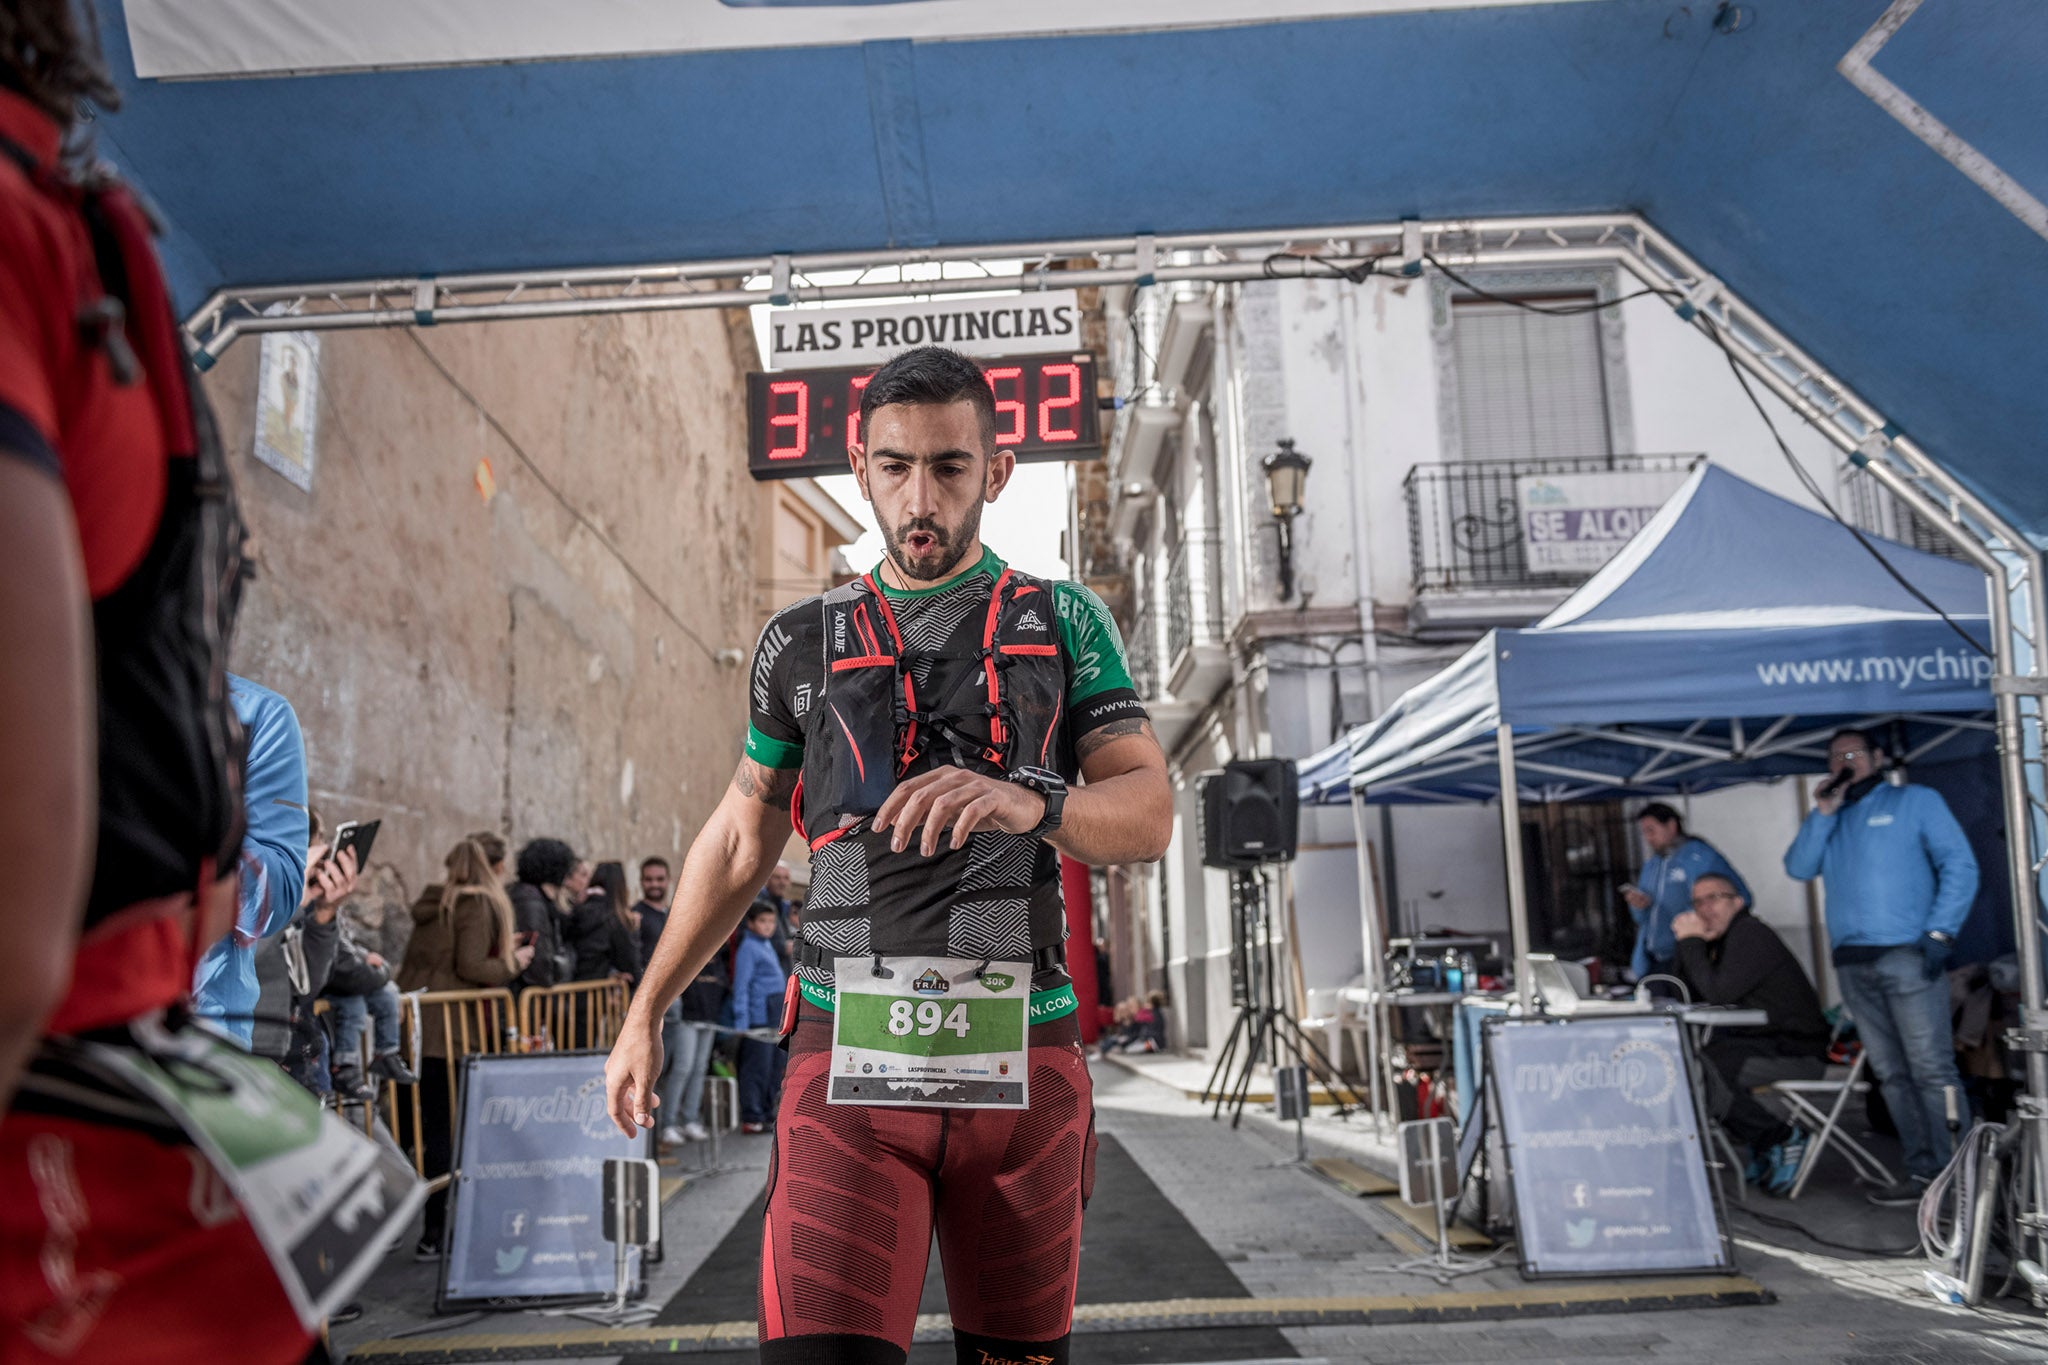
(1605, 1147)
(527, 1217)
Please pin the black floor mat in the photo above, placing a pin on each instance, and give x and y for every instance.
(1135, 1247)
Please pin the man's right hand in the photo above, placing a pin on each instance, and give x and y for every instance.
(1831, 802)
(1636, 900)
(630, 1073)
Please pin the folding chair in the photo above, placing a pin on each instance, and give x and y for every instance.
(1804, 1098)
(1729, 1162)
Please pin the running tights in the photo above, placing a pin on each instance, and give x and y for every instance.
(854, 1194)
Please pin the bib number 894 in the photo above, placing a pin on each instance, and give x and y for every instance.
(925, 1018)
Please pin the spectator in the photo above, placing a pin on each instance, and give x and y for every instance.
(494, 847)
(545, 866)
(1663, 889)
(577, 884)
(759, 980)
(651, 910)
(1152, 1024)
(688, 1028)
(359, 990)
(602, 931)
(1900, 878)
(224, 989)
(463, 939)
(1727, 956)
(301, 957)
(775, 895)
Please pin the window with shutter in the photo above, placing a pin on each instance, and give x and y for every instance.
(1530, 385)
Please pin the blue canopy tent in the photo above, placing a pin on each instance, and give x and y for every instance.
(1725, 643)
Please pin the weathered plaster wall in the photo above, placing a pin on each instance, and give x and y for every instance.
(521, 661)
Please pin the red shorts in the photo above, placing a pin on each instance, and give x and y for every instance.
(117, 1244)
(854, 1193)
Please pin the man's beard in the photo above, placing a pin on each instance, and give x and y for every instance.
(949, 548)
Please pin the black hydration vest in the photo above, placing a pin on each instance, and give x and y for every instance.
(987, 694)
(170, 747)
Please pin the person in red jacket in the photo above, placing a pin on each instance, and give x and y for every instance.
(121, 814)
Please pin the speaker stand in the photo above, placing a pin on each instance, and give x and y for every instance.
(1262, 1027)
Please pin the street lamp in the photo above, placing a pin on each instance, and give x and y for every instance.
(1286, 473)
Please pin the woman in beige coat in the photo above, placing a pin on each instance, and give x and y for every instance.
(462, 940)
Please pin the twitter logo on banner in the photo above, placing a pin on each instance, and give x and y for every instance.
(510, 1259)
(1578, 1233)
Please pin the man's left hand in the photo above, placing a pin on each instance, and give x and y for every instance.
(1935, 954)
(1689, 925)
(957, 798)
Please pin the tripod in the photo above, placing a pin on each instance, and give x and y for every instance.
(1262, 1026)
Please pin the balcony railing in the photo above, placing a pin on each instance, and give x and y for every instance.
(1869, 506)
(1194, 592)
(1141, 651)
(1465, 519)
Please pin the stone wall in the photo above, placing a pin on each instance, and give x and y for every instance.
(530, 645)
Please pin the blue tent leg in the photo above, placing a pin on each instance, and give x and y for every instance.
(1518, 890)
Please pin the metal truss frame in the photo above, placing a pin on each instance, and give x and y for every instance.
(2019, 605)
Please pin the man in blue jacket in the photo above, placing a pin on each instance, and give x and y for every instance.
(1663, 889)
(759, 981)
(1900, 878)
(224, 987)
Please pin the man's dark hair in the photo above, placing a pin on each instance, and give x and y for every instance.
(1870, 741)
(654, 860)
(546, 862)
(759, 908)
(935, 376)
(1662, 814)
(50, 53)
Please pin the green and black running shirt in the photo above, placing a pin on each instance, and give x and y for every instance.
(997, 897)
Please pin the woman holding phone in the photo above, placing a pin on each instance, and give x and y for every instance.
(462, 940)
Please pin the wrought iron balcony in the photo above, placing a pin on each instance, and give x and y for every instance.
(1466, 525)
(1194, 585)
(1869, 506)
(1472, 563)
(1141, 651)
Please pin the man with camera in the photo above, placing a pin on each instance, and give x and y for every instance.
(1900, 878)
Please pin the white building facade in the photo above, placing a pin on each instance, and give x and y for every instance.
(1427, 408)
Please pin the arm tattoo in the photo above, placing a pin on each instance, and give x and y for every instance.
(769, 786)
(1101, 735)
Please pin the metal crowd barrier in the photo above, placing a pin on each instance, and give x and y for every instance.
(573, 1016)
(471, 1022)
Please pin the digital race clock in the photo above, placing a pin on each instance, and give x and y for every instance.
(800, 422)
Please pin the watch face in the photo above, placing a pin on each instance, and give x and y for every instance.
(1038, 778)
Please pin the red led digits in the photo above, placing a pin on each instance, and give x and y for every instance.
(1048, 405)
(1013, 407)
(798, 422)
(854, 388)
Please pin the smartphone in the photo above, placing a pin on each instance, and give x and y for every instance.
(1628, 887)
(528, 937)
(359, 837)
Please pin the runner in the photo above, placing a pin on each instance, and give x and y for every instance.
(919, 727)
(118, 1240)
